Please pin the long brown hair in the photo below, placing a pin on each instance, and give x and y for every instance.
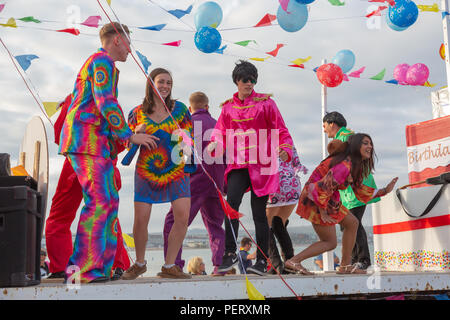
(149, 104)
(360, 168)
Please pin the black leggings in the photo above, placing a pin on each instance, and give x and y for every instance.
(238, 181)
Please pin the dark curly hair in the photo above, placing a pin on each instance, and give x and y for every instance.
(244, 69)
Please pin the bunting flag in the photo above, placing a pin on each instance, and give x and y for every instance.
(252, 293)
(444, 14)
(145, 63)
(220, 50)
(157, 27)
(92, 21)
(357, 73)
(379, 76)
(297, 66)
(259, 59)
(376, 12)
(129, 241)
(301, 61)
(25, 60)
(70, 30)
(10, 23)
(229, 211)
(245, 42)
(266, 20)
(180, 13)
(336, 2)
(391, 2)
(428, 84)
(431, 8)
(393, 81)
(29, 19)
(274, 52)
(345, 77)
(284, 4)
(1, 7)
(51, 108)
(109, 2)
(173, 44)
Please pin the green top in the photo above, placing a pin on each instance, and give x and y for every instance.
(348, 198)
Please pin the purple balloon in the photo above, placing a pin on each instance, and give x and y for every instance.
(400, 73)
(417, 74)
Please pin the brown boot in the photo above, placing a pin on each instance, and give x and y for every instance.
(133, 272)
(174, 272)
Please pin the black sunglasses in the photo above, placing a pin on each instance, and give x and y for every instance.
(249, 79)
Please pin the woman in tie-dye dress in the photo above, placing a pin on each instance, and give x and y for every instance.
(320, 203)
(160, 176)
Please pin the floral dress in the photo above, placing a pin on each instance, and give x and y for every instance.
(322, 191)
(160, 176)
(290, 186)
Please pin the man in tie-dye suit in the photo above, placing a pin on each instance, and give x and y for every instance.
(93, 127)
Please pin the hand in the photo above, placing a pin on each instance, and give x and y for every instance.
(146, 140)
(140, 128)
(325, 217)
(391, 185)
(284, 155)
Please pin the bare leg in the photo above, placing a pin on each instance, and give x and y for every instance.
(284, 212)
(350, 225)
(181, 208)
(142, 213)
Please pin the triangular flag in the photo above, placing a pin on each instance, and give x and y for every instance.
(357, 73)
(19, 171)
(259, 59)
(376, 12)
(445, 13)
(252, 293)
(70, 30)
(25, 60)
(129, 241)
(379, 76)
(109, 2)
(301, 61)
(29, 19)
(157, 27)
(284, 4)
(266, 20)
(431, 8)
(92, 21)
(345, 77)
(173, 44)
(336, 2)
(393, 81)
(229, 211)
(428, 84)
(220, 50)
(275, 51)
(297, 66)
(144, 61)
(180, 13)
(391, 2)
(245, 42)
(10, 23)
(51, 108)
(1, 7)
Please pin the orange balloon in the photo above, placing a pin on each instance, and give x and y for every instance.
(442, 51)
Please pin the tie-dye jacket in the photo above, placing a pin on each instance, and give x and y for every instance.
(95, 124)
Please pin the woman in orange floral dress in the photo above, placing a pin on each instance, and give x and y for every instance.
(348, 163)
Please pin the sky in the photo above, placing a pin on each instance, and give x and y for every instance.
(380, 109)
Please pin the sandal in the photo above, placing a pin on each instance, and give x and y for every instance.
(350, 269)
(296, 268)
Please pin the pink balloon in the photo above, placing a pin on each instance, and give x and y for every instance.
(417, 74)
(400, 73)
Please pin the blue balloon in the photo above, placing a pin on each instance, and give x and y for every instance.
(207, 39)
(344, 59)
(393, 26)
(208, 14)
(295, 19)
(305, 1)
(404, 13)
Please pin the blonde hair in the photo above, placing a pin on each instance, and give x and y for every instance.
(194, 265)
(111, 29)
(198, 100)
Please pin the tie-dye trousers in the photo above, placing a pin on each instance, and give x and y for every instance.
(96, 238)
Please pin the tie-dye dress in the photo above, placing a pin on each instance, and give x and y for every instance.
(322, 191)
(159, 175)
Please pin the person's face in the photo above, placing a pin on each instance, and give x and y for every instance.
(330, 129)
(248, 247)
(366, 148)
(42, 259)
(122, 49)
(202, 266)
(245, 86)
(163, 83)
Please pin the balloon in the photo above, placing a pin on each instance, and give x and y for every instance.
(417, 74)
(208, 14)
(393, 26)
(404, 13)
(305, 1)
(400, 73)
(295, 19)
(207, 39)
(344, 59)
(330, 75)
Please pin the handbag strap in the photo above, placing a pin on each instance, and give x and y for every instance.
(428, 208)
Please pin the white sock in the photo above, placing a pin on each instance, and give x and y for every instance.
(168, 266)
(141, 264)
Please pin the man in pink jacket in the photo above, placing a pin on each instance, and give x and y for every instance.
(252, 132)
